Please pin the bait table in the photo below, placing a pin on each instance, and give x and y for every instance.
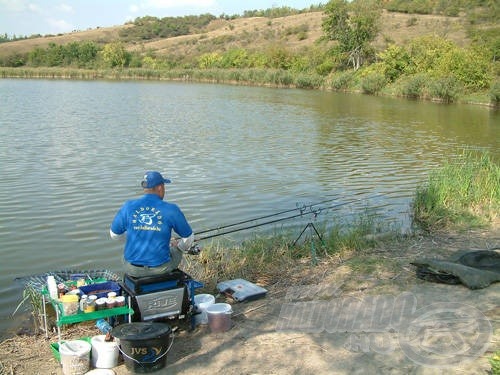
(62, 319)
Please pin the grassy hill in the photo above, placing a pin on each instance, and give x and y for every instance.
(256, 33)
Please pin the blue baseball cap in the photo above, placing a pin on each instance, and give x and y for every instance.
(152, 179)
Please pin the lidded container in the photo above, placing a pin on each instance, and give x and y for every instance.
(120, 301)
(69, 304)
(52, 287)
(144, 345)
(110, 303)
(100, 304)
(90, 306)
(75, 357)
(83, 303)
(219, 317)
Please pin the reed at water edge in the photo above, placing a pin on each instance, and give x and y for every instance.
(463, 193)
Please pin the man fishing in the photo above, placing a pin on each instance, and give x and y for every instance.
(146, 224)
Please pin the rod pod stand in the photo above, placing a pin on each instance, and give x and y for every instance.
(313, 230)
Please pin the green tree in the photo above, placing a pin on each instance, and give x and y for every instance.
(469, 66)
(209, 60)
(396, 61)
(426, 52)
(36, 57)
(54, 55)
(353, 25)
(87, 53)
(235, 58)
(4, 38)
(115, 55)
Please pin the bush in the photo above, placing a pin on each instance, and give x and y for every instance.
(308, 81)
(373, 83)
(470, 66)
(445, 89)
(302, 35)
(396, 61)
(495, 93)
(413, 87)
(209, 60)
(325, 68)
(341, 81)
(235, 58)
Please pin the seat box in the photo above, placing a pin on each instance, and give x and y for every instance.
(150, 284)
(166, 303)
(161, 296)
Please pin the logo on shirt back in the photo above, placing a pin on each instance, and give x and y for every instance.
(148, 218)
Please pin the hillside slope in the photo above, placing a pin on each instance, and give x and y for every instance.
(257, 33)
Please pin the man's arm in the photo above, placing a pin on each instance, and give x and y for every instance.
(185, 243)
(120, 237)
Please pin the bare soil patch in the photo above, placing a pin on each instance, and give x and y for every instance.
(257, 344)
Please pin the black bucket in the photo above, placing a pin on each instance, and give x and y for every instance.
(144, 345)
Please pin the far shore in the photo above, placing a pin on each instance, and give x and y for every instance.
(130, 74)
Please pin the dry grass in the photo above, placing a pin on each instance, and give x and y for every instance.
(264, 261)
(100, 35)
(259, 33)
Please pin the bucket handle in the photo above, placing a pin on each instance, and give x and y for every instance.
(160, 357)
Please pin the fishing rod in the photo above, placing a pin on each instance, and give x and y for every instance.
(302, 213)
(301, 208)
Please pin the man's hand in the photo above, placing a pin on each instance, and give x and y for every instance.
(194, 250)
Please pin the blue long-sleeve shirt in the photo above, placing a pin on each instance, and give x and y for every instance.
(148, 222)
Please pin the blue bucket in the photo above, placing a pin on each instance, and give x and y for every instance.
(144, 345)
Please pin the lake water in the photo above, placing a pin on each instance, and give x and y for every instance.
(73, 151)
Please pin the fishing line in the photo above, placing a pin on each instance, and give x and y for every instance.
(302, 213)
(299, 207)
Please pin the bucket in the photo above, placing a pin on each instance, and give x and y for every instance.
(201, 303)
(104, 353)
(144, 345)
(219, 317)
(75, 357)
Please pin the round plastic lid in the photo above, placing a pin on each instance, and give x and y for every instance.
(203, 298)
(219, 308)
(141, 330)
(101, 371)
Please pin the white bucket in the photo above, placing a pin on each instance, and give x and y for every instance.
(219, 317)
(201, 303)
(104, 353)
(75, 357)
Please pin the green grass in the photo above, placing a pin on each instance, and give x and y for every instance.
(495, 363)
(464, 193)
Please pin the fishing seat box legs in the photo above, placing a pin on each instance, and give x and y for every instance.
(164, 296)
